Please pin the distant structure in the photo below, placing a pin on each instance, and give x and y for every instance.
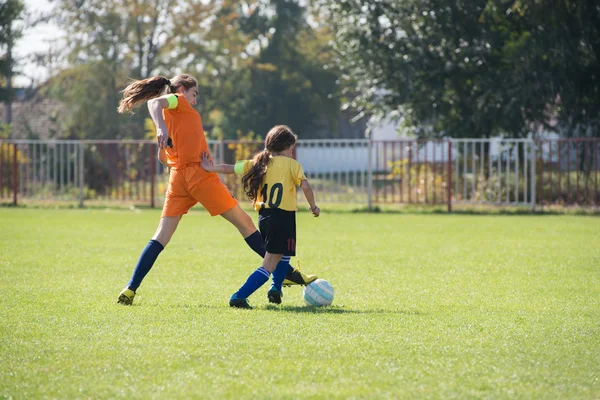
(33, 117)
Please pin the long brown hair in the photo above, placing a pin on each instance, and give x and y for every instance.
(141, 91)
(278, 139)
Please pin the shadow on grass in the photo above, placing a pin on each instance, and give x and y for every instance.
(294, 309)
(336, 310)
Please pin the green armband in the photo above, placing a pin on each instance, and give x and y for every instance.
(172, 100)
(238, 168)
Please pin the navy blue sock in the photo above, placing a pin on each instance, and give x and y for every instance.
(145, 263)
(254, 281)
(283, 266)
(256, 243)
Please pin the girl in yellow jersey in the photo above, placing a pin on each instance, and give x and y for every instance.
(181, 143)
(270, 180)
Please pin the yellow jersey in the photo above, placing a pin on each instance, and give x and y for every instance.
(279, 184)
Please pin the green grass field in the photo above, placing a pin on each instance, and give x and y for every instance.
(427, 306)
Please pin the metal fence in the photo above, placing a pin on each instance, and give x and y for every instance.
(405, 171)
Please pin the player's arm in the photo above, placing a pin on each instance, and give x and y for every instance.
(208, 165)
(155, 106)
(162, 156)
(310, 197)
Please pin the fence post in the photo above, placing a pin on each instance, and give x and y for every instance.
(152, 174)
(370, 175)
(533, 175)
(81, 174)
(449, 183)
(221, 157)
(15, 175)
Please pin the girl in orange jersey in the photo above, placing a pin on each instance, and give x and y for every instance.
(270, 180)
(181, 143)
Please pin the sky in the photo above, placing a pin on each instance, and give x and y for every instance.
(34, 40)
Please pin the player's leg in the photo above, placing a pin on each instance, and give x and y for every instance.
(217, 200)
(177, 203)
(255, 281)
(164, 232)
(279, 229)
(253, 238)
(244, 224)
(275, 293)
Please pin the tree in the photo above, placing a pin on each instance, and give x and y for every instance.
(258, 63)
(111, 42)
(107, 43)
(214, 50)
(565, 46)
(10, 12)
(472, 69)
(286, 79)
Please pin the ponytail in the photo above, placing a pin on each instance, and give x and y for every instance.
(279, 138)
(253, 178)
(141, 91)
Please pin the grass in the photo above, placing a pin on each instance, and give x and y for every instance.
(427, 306)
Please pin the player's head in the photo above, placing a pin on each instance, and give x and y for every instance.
(280, 138)
(186, 85)
(146, 89)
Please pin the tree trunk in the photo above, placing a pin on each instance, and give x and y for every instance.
(9, 74)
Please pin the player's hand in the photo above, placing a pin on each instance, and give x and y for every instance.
(206, 161)
(162, 137)
(316, 211)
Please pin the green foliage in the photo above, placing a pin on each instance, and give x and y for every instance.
(288, 81)
(472, 69)
(5, 130)
(258, 64)
(11, 11)
(107, 42)
(426, 306)
(87, 92)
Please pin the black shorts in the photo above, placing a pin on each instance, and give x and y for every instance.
(278, 229)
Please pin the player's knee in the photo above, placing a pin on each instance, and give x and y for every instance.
(241, 220)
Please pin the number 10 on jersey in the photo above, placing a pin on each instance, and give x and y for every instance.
(274, 195)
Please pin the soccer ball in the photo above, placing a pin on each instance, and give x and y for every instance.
(318, 293)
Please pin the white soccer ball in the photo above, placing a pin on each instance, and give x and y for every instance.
(318, 293)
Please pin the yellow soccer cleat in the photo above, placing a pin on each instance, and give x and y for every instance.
(297, 277)
(126, 297)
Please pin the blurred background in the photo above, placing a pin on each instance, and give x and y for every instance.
(485, 72)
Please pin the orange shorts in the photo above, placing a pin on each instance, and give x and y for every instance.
(192, 184)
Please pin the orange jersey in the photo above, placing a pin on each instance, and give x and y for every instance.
(185, 130)
(189, 183)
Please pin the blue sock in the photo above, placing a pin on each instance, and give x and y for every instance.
(256, 243)
(145, 263)
(283, 266)
(254, 281)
